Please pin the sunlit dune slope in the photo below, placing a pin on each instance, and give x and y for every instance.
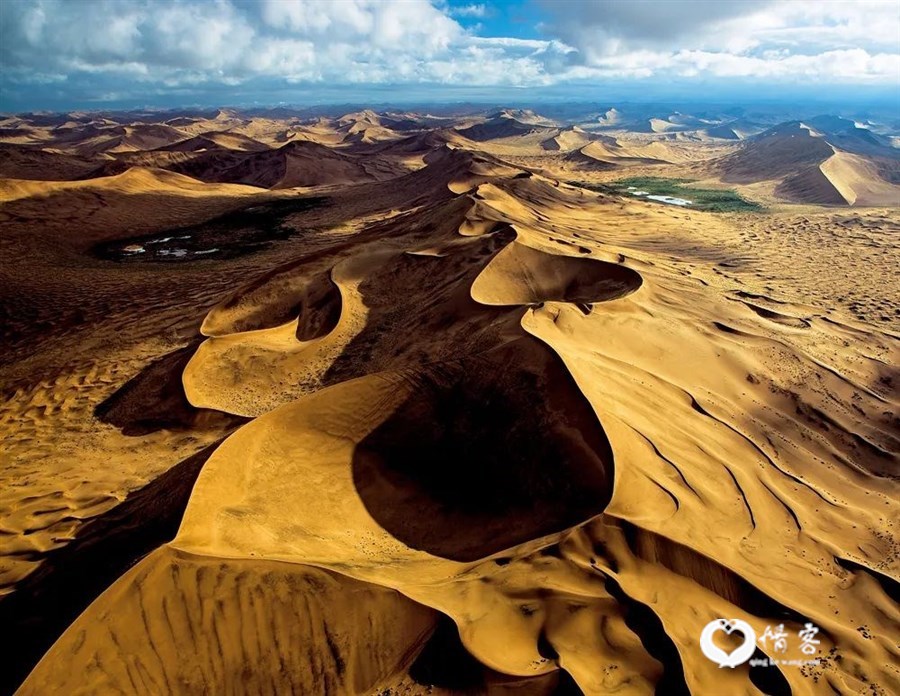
(860, 181)
(608, 152)
(505, 124)
(93, 139)
(272, 630)
(567, 139)
(810, 169)
(216, 140)
(135, 180)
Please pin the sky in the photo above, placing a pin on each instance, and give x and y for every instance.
(105, 54)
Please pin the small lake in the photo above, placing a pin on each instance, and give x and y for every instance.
(234, 234)
(162, 247)
(670, 192)
(671, 200)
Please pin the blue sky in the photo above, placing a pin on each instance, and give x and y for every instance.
(498, 19)
(99, 54)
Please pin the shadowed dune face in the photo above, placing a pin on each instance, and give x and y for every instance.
(457, 461)
(520, 275)
(814, 167)
(486, 454)
(154, 399)
(318, 309)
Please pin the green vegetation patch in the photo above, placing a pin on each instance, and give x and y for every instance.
(228, 236)
(710, 200)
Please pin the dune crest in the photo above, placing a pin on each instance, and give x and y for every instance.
(520, 275)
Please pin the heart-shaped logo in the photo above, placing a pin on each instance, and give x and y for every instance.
(736, 657)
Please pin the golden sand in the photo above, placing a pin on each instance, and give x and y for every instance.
(578, 425)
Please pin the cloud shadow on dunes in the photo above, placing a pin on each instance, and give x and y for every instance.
(487, 453)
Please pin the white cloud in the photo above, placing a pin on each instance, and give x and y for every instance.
(268, 37)
(855, 64)
(192, 43)
(478, 11)
(789, 40)
(610, 26)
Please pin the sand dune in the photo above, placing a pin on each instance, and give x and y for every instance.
(655, 123)
(414, 145)
(362, 633)
(567, 139)
(351, 442)
(43, 165)
(506, 124)
(299, 163)
(520, 275)
(777, 152)
(91, 140)
(725, 131)
(367, 127)
(573, 428)
(860, 181)
(611, 117)
(136, 180)
(365, 134)
(610, 152)
(216, 140)
(809, 168)
(811, 185)
(841, 179)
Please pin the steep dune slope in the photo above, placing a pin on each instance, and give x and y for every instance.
(812, 185)
(216, 140)
(43, 165)
(273, 630)
(134, 180)
(299, 163)
(567, 139)
(861, 181)
(612, 152)
(93, 140)
(506, 124)
(779, 152)
(810, 168)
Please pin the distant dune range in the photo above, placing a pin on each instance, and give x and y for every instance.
(824, 160)
(461, 424)
(811, 169)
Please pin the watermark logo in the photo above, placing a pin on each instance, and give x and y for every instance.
(740, 654)
(773, 640)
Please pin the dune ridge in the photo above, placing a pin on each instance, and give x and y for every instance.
(810, 168)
